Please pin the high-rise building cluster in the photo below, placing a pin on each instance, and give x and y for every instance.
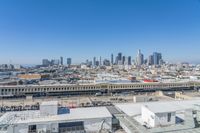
(47, 62)
(122, 60)
(154, 59)
(10, 66)
(119, 60)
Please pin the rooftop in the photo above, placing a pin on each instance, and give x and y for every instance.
(36, 117)
(134, 109)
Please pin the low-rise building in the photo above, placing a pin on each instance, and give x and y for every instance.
(154, 117)
(47, 119)
(33, 76)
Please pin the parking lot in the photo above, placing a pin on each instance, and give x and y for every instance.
(74, 101)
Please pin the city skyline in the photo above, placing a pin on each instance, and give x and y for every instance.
(34, 30)
(63, 60)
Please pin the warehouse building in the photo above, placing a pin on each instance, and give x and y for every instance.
(55, 119)
(157, 117)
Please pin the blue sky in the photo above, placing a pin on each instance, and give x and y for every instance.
(34, 29)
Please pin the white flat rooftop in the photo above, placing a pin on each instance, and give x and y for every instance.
(134, 109)
(162, 107)
(75, 114)
(25, 117)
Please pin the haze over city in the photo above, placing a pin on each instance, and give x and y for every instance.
(99, 66)
(33, 30)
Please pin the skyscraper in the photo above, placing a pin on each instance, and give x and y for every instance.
(156, 58)
(116, 60)
(100, 62)
(61, 60)
(160, 59)
(140, 58)
(129, 60)
(106, 62)
(55, 62)
(123, 60)
(69, 61)
(145, 61)
(119, 59)
(45, 62)
(119, 56)
(97, 63)
(150, 60)
(112, 59)
(94, 61)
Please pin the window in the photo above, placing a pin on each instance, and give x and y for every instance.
(169, 115)
(32, 128)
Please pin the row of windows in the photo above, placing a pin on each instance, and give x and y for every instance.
(49, 89)
(147, 86)
(86, 88)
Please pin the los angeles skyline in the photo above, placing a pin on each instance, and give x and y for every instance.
(31, 31)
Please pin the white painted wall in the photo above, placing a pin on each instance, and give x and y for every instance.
(91, 125)
(53, 127)
(148, 117)
(157, 119)
(94, 125)
(49, 109)
(22, 128)
(162, 119)
(140, 99)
